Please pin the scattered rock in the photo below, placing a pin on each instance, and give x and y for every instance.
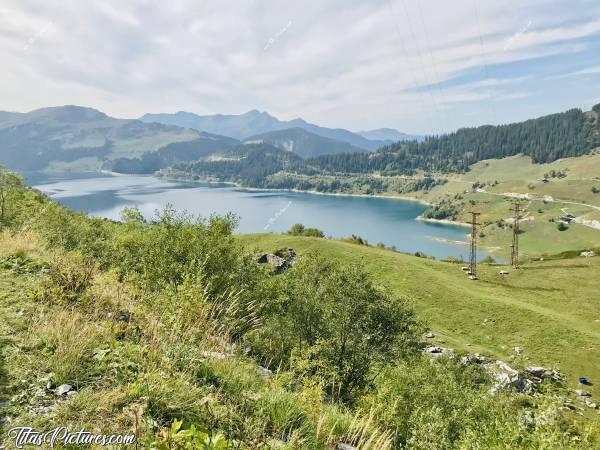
(506, 368)
(124, 316)
(518, 350)
(582, 393)
(216, 355)
(536, 371)
(279, 264)
(432, 349)
(590, 403)
(41, 410)
(289, 254)
(63, 389)
(342, 446)
(435, 351)
(523, 385)
(47, 380)
(568, 405)
(266, 373)
(475, 358)
(587, 254)
(429, 335)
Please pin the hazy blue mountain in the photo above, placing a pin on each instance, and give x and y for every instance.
(78, 137)
(242, 126)
(303, 143)
(388, 134)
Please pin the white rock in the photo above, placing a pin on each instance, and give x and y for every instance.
(342, 446)
(64, 389)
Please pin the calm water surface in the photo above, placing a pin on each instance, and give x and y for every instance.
(378, 220)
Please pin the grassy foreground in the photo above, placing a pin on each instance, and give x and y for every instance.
(169, 331)
(549, 308)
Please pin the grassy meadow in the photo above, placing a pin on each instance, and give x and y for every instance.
(571, 192)
(549, 308)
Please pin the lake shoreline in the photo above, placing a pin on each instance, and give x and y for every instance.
(444, 221)
(299, 191)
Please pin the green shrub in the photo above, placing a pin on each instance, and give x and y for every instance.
(300, 230)
(333, 323)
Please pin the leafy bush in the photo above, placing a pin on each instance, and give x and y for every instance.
(332, 322)
(300, 230)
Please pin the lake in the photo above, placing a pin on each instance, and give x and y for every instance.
(375, 219)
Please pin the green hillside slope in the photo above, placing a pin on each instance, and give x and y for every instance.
(171, 331)
(550, 308)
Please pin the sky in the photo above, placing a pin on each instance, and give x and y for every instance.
(418, 66)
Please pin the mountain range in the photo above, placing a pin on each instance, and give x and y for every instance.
(80, 138)
(243, 126)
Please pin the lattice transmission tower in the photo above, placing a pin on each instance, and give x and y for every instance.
(514, 252)
(473, 253)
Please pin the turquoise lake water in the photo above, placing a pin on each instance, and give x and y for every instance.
(375, 219)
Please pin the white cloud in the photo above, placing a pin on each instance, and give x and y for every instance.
(587, 71)
(340, 63)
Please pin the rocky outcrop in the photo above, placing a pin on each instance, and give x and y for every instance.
(280, 260)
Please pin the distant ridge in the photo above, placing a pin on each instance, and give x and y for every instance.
(303, 142)
(389, 134)
(251, 123)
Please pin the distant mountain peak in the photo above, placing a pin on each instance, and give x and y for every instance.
(254, 122)
(68, 110)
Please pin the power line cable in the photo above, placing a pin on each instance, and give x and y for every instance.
(422, 65)
(411, 69)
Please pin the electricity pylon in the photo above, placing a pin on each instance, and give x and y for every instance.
(514, 253)
(473, 253)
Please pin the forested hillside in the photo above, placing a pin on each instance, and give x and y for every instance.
(546, 139)
(251, 166)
